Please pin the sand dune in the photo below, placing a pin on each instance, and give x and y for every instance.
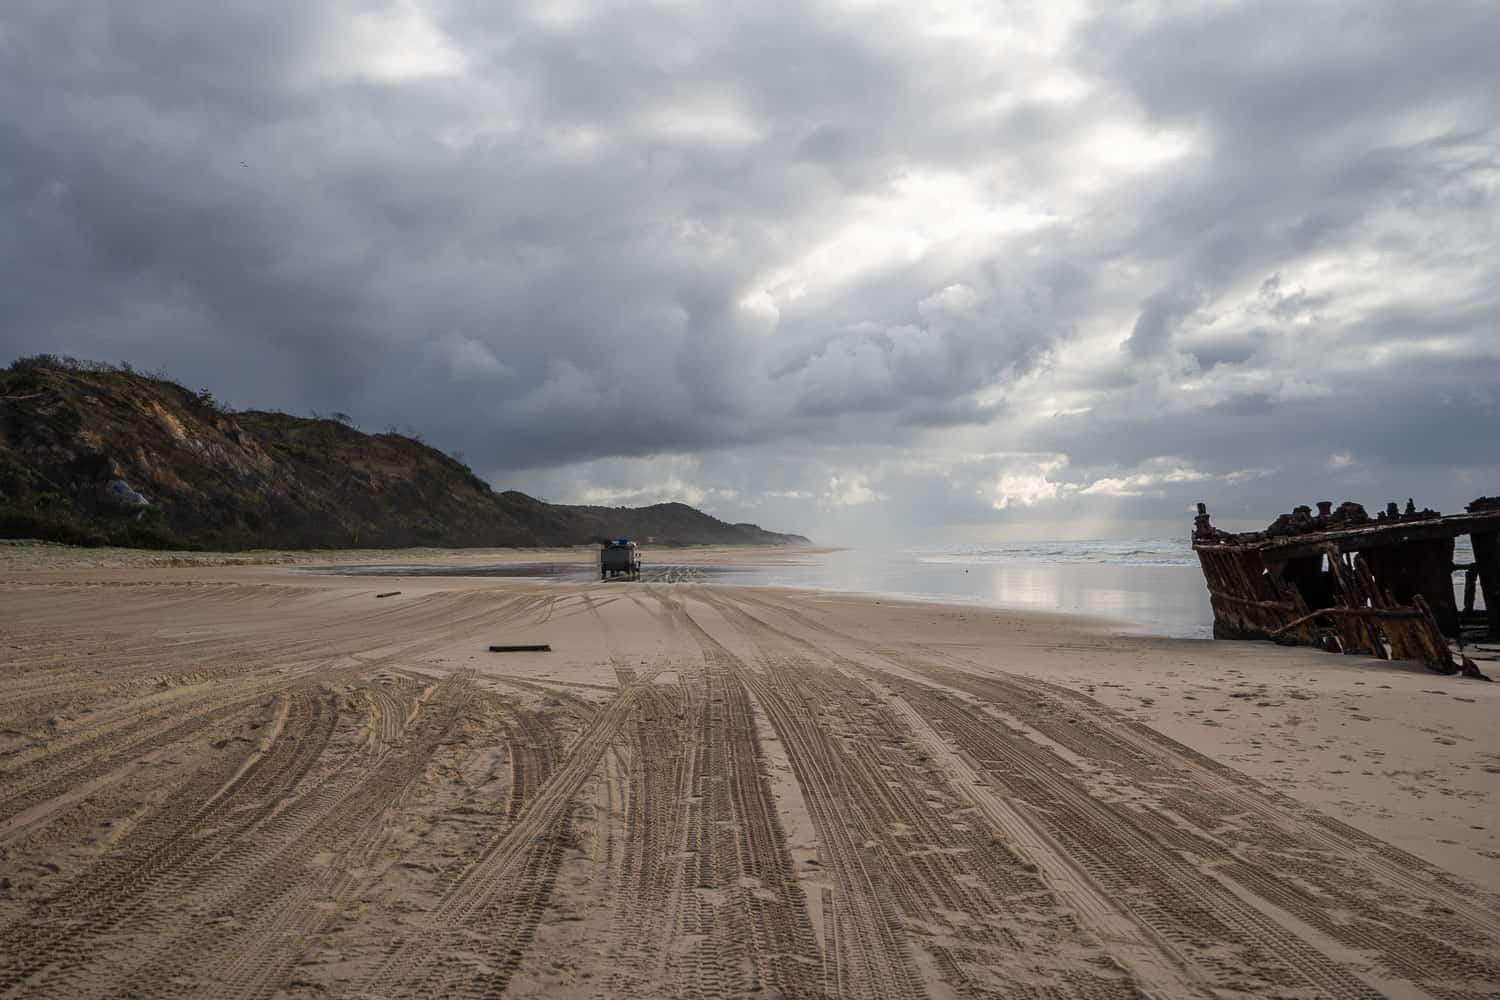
(239, 781)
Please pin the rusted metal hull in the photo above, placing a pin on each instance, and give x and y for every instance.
(1346, 583)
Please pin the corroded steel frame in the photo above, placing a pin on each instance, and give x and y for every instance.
(1383, 588)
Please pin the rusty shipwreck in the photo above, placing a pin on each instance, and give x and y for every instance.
(1347, 582)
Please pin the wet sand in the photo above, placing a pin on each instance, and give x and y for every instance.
(223, 780)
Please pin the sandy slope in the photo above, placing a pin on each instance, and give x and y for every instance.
(237, 781)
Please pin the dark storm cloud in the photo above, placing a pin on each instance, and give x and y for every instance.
(597, 253)
(983, 262)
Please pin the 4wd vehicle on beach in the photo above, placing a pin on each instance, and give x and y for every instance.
(621, 557)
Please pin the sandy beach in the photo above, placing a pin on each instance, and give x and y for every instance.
(254, 780)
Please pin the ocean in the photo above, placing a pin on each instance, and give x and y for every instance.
(1145, 585)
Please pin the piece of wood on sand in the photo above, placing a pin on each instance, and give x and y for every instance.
(522, 647)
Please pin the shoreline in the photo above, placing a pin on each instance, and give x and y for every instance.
(33, 554)
(787, 567)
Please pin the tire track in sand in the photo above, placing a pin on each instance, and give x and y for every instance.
(1265, 850)
(285, 896)
(960, 891)
(489, 913)
(880, 963)
(1180, 877)
(178, 849)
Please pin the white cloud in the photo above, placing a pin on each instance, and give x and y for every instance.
(849, 491)
(1026, 481)
(399, 41)
(1156, 477)
(1031, 480)
(1137, 484)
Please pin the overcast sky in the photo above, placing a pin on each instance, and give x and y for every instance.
(927, 272)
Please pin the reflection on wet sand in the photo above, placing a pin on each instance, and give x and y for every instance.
(1162, 600)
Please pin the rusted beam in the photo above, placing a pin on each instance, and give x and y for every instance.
(1352, 613)
(1436, 653)
(1364, 538)
(1396, 632)
(1356, 635)
(1387, 590)
(1251, 601)
(1246, 601)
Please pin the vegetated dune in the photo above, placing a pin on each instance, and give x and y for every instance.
(245, 782)
(94, 455)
